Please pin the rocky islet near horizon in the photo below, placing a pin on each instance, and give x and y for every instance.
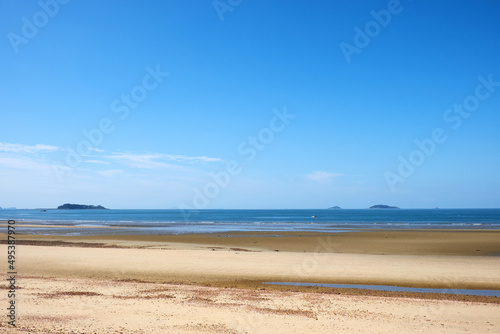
(69, 206)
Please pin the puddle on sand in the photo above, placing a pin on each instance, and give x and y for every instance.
(471, 292)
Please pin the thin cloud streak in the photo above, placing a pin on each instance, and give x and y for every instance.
(323, 177)
(111, 172)
(157, 160)
(97, 162)
(24, 163)
(8, 147)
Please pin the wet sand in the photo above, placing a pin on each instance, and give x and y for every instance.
(390, 242)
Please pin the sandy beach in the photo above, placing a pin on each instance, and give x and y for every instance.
(213, 283)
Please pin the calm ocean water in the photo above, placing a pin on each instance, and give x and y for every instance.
(208, 221)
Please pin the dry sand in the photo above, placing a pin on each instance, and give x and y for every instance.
(213, 283)
(55, 305)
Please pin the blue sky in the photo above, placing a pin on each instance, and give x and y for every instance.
(250, 104)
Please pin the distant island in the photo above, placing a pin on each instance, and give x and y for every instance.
(68, 206)
(334, 208)
(382, 206)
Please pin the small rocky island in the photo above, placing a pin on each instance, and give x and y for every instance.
(68, 206)
(334, 208)
(382, 206)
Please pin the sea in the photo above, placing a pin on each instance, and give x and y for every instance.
(148, 222)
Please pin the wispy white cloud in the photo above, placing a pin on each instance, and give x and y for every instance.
(146, 161)
(156, 160)
(111, 172)
(8, 147)
(97, 162)
(193, 159)
(323, 177)
(96, 149)
(37, 158)
(22, 163)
